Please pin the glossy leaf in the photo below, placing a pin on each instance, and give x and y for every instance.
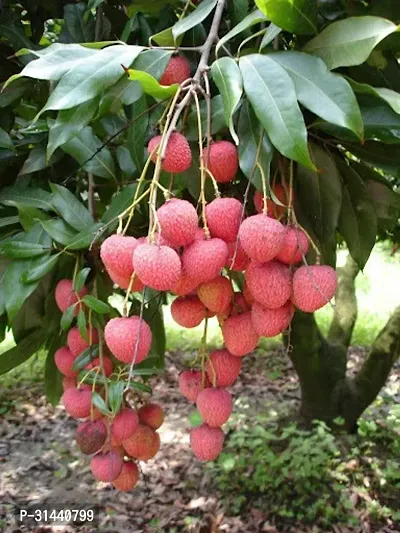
(80, 279)
(378, 155)
(52, 376)
(86, 237)
(35, 161)
(36, 273)
(392, 98)
(380, 121)
(124, 160)
(137, 131)
(30, 197)
(194, 18)
(85, 357)
(70, 208)
(81, 29)
(115, 395)
(154, 62)
(67, 317)
(272, 32)
(22, 352)
(21, 250)
(5, 140)
(296, 16)
(121, 201)
(100, 404)
(124, 92)
(81, 323)
(151, 86)
(255, 17)
(97, 305)
(59, 230)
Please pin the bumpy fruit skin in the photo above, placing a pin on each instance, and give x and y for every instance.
(121, 336)
(191, 384)
(77, 402)
(64, 359)
(108, 366)
(238, 306)
(128, 478)
(222, 161)
(223, 218)
(185, 285)
(151, 415)
(247, 294)
(237, 260)
(143, 444)
(188, 311)
(273, 210)
(124, 425)
(91, 436)
(295, 246)
(215, 406)
(216, 294)
(271, 322)
(106, 466)
(206, 442)
(203, 260)
(68, 383)
(240, 337)
(261, 237)
(66, 296)
(178, 221)
(269, 283)
(77, 344)
(223, 368)
(158, 267)
(313, 287)
(178, 156)
(177, 71)
(116, 253)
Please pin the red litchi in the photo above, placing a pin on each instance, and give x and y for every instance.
(64, 359)
(158, 267)
(223, 218)
(222, 161)
(108, 366)
(125, 281)
(191, 383)
(206, 442)
(273, 210)
(77, 344)
(238, 306)
(271, 322)
(200, 235)
(184, 286)
(295, 246)
(177, 71)
(216, 294)
(129, 339)
(215, 406)
(269, 283)
(91, 436)
(188, 311)
(151, 415)
(247, 295)
(178, 157)
(155, 447)
(237, 257)
(178, 221)
(77, 402)
(106, 466)
(313, 287)
(116, 253)
(68, 383)
(128, 478)
(203, 260)
(262, 237)
(142, 444)
(223, 368)
(124, 425)
(240, 337)
(66, 296)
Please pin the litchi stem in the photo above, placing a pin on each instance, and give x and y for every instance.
(128, 292)
(290, 205)
(208, 104)
(264, 186)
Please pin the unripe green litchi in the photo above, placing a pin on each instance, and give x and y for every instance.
(177, 71)
(271, 322)
(240, 337)
(106, 466)
(262, 237)
(222, 161)
(77, 402)
(91, 436)
(313, 287)
(151, 415)
(206, 442)
(158, 267)
(66, 296)
(178, 156)
(188, 311)
(77, 344)
(215, 406)
(64, 359)
(178, 221)
(223, 368)
(203, 260)
(223, 218)
(269, 283)
(191, 383)
(129, 339)
(128, 478)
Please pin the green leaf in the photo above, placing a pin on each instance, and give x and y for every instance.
(34, 274)
(144, 6)
(296, 16)
(35, 161)
(9, 95)
(151, 86)
(194, 18)
(70, 123)
(59, 230)
(84, 146)
(217, 119)
(272, 95)
(381, 123)
(21, 249)
(238, 10)
(22, 352)
(29, 216)
(390, 97)
(67, 317)
(5, 140)
(227, 77)
(70, 208)
(124, 160)
(93, 4)
(30, 197)
(97, 305)
(115, 395)
(80, 279)
(254, 146)
(124, 92)
(154, 62)
(85, 238)
(166, 38)
(86, 357)
(81, 323)
(350, 41)
(52, 376)
(141, 387)
(81, 30)
(357, 220)
(254, 18)
(8, 221)
(120, 201)
(137, 131)
(327, 95)
(272, 32)
(154, 317)
(100, 404)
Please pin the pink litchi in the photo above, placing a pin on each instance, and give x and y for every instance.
(214, 405)
(151, 415)
(77, 344)
(128, 478)
(240, 337)
(295, 246)
(206, 442)
(177, 71)
(188, 311)
(66, 296)
(106, 466)
(191, 382)
(273, 210)
(108, 366)
(222, 161)
(203, 260)
(158, 267)
(143, 444)
(116, 253)
(271, 322)
(269, 283)
(262, 237)
(185, 285)
(216, 294)
(129, 339)
(77, 402)
(178, 221)
(124, 425)
(223, 218)
(64, 359)
(313, 287)
(237, 260)
(223, 368)
(178, 156)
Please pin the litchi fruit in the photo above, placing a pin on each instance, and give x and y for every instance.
(191, 383)
(151, 415)
(178, 221)
(215, 406)
(313, 287)
(64, 359)
(128, 338)
(116, 253)
(206, 442)
(185, 285)
(128, 478)
(295, 246)
(273, 210)
(91, 436)
(77, 344)
(178, 157)
(271, 322)
(262, 237)
(158, 267)
(237, 257)
(124, 425)
(240, 337)
(66, 296)
(247, 295)
(68, 383)
(222, 161)
(216, 294)
(108, 366)
(203, 260)
(223, 218)
(238, 306)
(177, 71)
(77, 402)
(143, 444)
(269, 283)
(106, 466)
(188, 311)
(223, 368)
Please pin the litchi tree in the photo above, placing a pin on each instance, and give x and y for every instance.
(217, 151)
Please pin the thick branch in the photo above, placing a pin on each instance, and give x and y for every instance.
(345, 315)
